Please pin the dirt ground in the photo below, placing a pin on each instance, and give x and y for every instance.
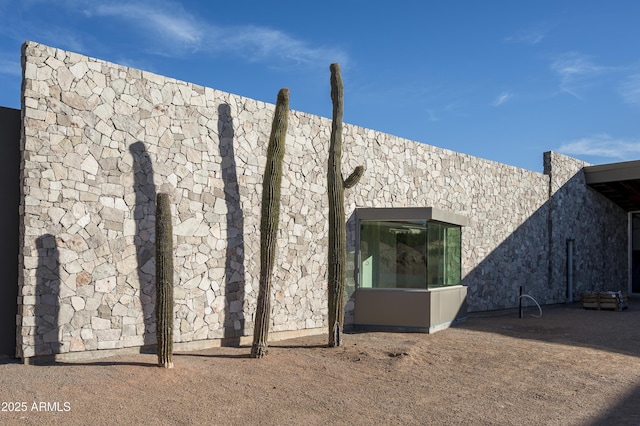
(569, 367)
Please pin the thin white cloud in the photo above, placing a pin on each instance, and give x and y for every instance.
(135, 63)
(533, 37)
(452, 109)
(630, 90)
(432, 115)
(574, 64)
(578, 71)
(603, 146)
(528, 36)
(19, 30)
(501, 99)
(11, 68)
(532, 34)
(61, 37)
(455, 108)
(175, 26)
(260, 43)
(171, 30)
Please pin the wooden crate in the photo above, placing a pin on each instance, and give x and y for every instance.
(604, 300)
(590, 301)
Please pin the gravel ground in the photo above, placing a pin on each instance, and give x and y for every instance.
(570, 367)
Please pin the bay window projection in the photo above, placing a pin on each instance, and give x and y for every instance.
(416, 254)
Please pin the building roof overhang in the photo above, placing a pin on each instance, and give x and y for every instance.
(410, 213)
(620, 182)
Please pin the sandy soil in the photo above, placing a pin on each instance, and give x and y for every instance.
(570, 367)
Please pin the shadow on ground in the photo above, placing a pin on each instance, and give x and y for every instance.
(567, 324)
(626, 412)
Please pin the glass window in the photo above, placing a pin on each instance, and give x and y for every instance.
(409, 254)
(443, 254)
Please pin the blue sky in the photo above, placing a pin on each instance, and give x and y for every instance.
(503, 80)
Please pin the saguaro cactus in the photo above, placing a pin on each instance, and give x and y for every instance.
(164, 281)
(269, 221)
(337, 228)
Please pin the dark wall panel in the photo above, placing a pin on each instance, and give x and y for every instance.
(9, 226)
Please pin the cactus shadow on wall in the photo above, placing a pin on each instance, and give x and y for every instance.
(47, 307)
(234, 321)
(144, 238)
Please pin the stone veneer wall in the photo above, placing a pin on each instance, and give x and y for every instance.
(597, 226)
(100, 140)
(502, 244)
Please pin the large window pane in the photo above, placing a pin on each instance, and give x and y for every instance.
(453, 255)
(443, 262)
(409, 254)
(392, 254)
(411, 261)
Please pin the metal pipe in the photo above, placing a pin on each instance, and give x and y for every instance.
(520, 304)
(570, 243)
(534, 301)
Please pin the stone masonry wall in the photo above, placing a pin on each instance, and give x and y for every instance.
(597, 226)
(502, 243)
(100, 140)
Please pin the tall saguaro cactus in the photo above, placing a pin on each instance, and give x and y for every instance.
(337, 228)
(164, 281)
(269, 221)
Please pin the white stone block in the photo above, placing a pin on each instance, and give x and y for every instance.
(119, 310)
(192, 227)
(90, 165)
(92, 304)
(29, 300)
(105, 285)
(127, 265)
(108, 335)
(28, 321)
(76, 345)
(79, 69)
(129, 227)
(132, 341)
(98, 323)
(110, 344)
